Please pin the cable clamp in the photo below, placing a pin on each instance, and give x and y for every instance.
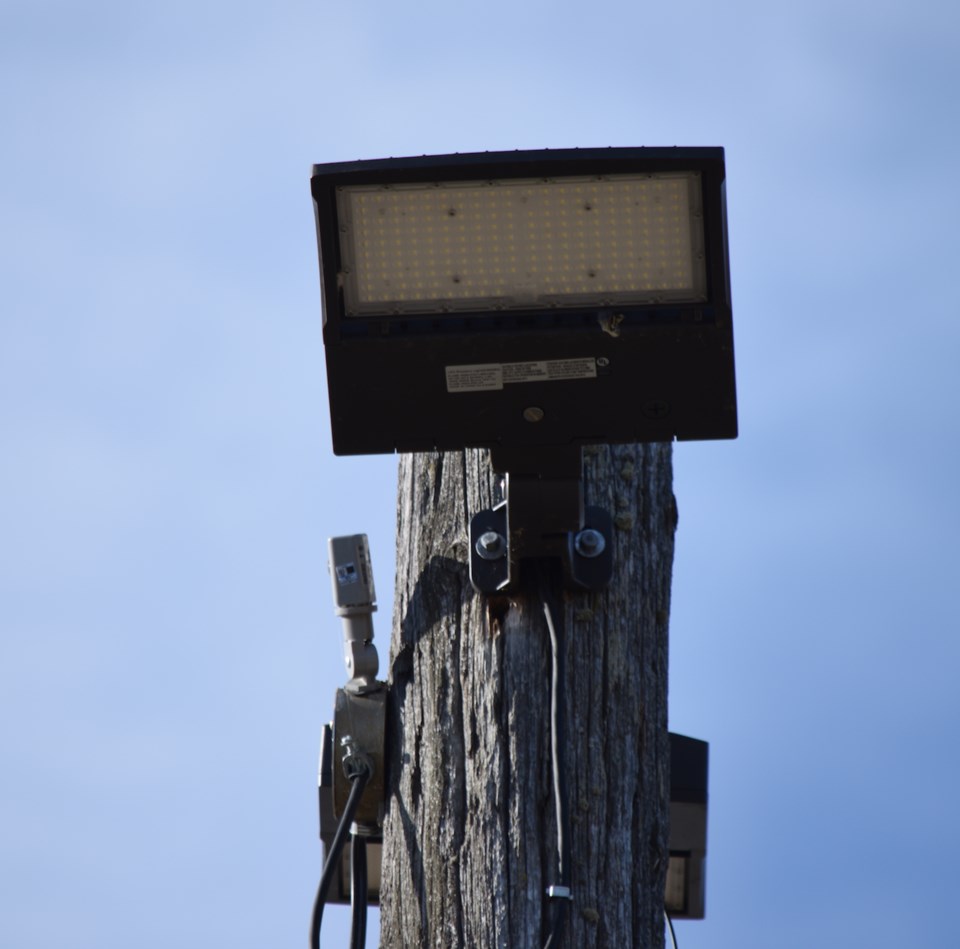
(356, 762)
(559, 893)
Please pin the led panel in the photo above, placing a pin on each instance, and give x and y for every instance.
(675, 889)
(521, 242)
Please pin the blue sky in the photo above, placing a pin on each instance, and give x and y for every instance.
(168, 649)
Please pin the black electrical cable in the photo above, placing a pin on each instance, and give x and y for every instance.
(558, 714)
(358, 891)
(673, 935)
(332, 867)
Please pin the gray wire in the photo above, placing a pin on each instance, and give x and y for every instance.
(557, 716)
(557, 744)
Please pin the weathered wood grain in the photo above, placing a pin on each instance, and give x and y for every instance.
(469, 837)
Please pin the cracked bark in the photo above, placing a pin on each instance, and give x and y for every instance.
(469, 835)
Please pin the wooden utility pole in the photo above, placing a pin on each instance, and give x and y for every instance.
(469, 835)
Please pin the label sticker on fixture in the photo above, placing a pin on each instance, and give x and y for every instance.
(489, 376)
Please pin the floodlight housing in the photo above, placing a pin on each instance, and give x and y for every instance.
(685, 890)
(525, 300)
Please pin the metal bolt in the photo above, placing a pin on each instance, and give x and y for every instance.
(589, 543)
(491, 546)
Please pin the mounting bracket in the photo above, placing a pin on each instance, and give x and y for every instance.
(541, 516)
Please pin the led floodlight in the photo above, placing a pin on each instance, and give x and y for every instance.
(526, 299)
(530, 303)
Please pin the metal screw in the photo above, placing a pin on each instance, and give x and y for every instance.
(491, 546)
(655, 409)
(533, 414)
(589, 543)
